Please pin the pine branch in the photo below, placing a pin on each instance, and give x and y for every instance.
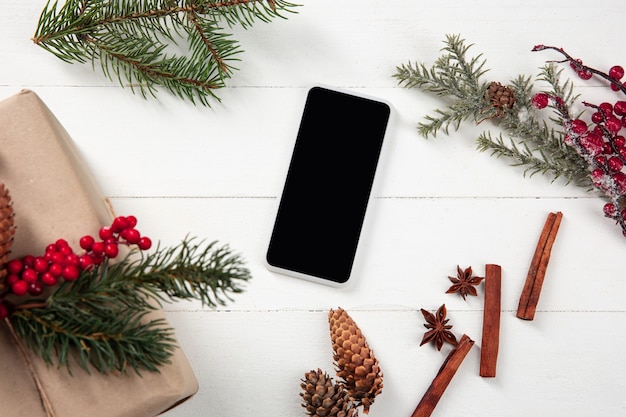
(534, 143)
(191, 271)
(136, 41)
(451, 75)
(100, 320)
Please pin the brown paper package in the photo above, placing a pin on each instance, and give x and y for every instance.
(54, 196)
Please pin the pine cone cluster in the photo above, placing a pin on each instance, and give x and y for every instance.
(356, 364)
(322, 397)
(500, 97)
(7, 228)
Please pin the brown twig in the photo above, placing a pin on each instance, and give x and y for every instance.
(491, 321)
(537, 271)
(443, 378)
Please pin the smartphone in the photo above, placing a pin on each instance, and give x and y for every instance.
(324, 201)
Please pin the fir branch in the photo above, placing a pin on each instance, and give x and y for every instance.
(105, 339)
(451, 75)
(101, 320)
(192, 271)
(534, 160)
(135, 40)
(534, 143)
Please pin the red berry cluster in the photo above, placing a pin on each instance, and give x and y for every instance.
(599, 140)
(29, 275)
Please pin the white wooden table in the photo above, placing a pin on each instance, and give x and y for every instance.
(217, 173)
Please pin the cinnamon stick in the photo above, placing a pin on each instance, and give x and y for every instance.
(442, 379)
(491, 321)
(537, 271)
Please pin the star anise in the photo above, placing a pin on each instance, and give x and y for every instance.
(464, 283)
(439, 329)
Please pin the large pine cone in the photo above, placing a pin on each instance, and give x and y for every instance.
(324, 398)
(500, 97)
(7, 228)
(355, 361)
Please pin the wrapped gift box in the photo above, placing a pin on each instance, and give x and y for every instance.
(55, 196)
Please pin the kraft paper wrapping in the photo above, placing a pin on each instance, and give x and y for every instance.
(54, 196)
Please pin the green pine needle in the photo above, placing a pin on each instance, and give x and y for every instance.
(179, 45)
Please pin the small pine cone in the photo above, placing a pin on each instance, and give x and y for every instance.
(355, 361)
(7, 228)
(322, 397)
(500, 97)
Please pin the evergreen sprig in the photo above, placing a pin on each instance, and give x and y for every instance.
(102, 320)
(180, 45)
(533, 142)
(452, 75)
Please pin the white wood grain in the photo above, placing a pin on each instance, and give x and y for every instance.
(217, 172)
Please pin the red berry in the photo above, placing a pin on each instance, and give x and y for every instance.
(55, 269)
(609, 209)
(575, 64)
(584, 74)
(35, 288)
(619, 141)
(606, 108)
(616, 72)
(20, 288)
(65, 250)
(620, 108)
(86, 242)
(97, 248)
(61, 243)
(28, 260)
(597, 175)
(12, 279)
(58, 258)
(131, 235)
(614, 164)
(592, 143)
(105, 233)
(597, 117)
(119, 223)
(144, 243)
(132, 221)
(72, 259)
(578, 126)
(40, 265)
(49, 279)
(600, 160)
(540, 100)
(51, 248)
(70, 272)
(85, 261)
(111, 250)
(15, 266)
(30, 275)
(613, 124)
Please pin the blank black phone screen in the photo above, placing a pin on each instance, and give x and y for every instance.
(328, 185)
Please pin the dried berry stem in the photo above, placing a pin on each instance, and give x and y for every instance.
(579, 66)
(537, 271)
(491, 321)
(441, 381)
